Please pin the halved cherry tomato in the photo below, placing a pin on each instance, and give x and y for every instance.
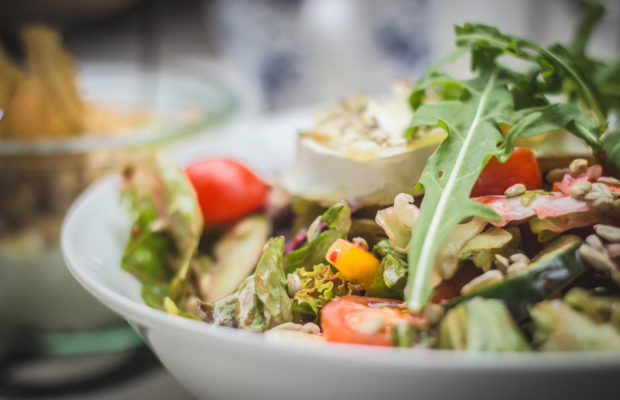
(226, 190)
(339, 318)
(496, 177)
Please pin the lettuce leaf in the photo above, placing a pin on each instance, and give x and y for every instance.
(482, 248)
(560, 328)
(338, 220)
(390, 281)
(319, 287)
(481, 325)
(261, 301)
(167, 223)
(384, 247)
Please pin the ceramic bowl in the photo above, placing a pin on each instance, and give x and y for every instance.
(220, 363)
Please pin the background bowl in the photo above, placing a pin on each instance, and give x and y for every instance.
(40, 179)
(220, 363)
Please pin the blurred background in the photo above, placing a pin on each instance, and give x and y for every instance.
(172, 72)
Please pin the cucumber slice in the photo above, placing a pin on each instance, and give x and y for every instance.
(553, 269)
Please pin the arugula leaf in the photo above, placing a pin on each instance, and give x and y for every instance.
(450, 173)
(611, 146)
(593, 13)
(261, 302)
(487, 42)
(390, 280)
(338, 220)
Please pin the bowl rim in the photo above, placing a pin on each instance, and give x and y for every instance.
(227, 105)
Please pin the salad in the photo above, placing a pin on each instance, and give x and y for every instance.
(475, 215)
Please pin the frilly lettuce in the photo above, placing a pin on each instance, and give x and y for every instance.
(319, 287)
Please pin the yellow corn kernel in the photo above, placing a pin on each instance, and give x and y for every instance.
(353, 262)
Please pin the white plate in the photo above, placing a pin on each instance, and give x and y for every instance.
(220, 363)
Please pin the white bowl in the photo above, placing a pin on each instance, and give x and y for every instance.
(219, 363)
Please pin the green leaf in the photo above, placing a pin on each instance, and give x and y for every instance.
(611, 146)
(384, 247)
(593, 13)
(167, 223)
(486, 43)
(261, 302)
(482, 248)
(319, 287)
(338, 220)
(481, 325)
(560, 328)
(450, 173)
(390, 280)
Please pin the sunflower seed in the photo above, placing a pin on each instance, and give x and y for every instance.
(608, 180)
(361, 242)
(371, 324)
(604, 205)
(609, 233)
(595, 258)
(501, 263)
(592, 196)
(434, 313)
(556, 175)
(515, 190)
(519, 257)
(287, 326)
(485, 279)
(580, 189)
(517, 267)
(595, 242)
(293, 284)
(601, 188)
(311, 328)
(578, 166)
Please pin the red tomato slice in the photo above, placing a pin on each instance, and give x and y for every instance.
(496, 177)
(226, 190)
(339, 317)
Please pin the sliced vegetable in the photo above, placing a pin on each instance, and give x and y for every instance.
(481, 325)
(338, 221)
(560, 328)
(495, 178)
(390, 280)
(319, 287)
(353, 262)
(550, 273)
(482, 248)
(236, 254)
(364, 320)
(261, 301)
(226, 189)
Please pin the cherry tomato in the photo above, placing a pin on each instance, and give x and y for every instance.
(339, 317)
(226, 190)
(496, 177)
(451, 288)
